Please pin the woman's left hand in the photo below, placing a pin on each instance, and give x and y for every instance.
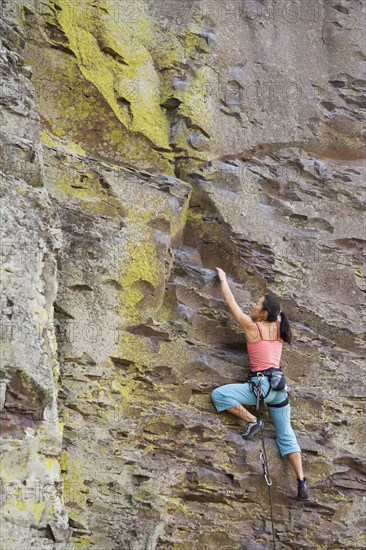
(221, 274)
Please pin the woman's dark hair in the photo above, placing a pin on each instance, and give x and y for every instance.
(271, 305)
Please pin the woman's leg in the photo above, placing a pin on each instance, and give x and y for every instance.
(288, 446)
(285, 436)
(296, 463)
(232, 397)
(241, 412)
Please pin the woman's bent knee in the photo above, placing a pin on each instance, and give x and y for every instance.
(221, 399)
(216, 397)
(214, 394)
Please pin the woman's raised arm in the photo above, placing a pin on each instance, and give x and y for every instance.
(243, 319)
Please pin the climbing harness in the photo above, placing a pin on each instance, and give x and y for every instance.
(257, 389)
(276, 379)
(263, 455)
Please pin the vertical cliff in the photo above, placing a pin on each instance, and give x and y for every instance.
(143, 144)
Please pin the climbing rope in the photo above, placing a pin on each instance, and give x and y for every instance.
(264, 460)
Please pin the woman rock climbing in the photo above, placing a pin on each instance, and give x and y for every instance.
(266, 329)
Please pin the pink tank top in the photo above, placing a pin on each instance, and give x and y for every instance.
(265, 354)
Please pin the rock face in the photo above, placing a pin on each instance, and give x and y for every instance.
(143, 144)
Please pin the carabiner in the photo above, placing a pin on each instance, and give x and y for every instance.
(265, 468)
(268, 481)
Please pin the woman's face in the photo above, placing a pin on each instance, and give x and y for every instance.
(257, 312)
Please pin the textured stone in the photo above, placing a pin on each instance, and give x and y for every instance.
(144, 144)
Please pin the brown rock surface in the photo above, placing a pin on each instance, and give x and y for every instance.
(143, 144)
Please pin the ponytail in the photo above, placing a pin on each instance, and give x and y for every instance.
(271, 305)
(285, 329)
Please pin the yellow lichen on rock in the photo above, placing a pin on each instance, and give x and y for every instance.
(111, 76)
(140, 264)
(99, 46)
(74, 490)
(85, 189)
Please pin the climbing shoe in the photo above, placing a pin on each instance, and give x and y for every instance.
(302, 489)
(253, 428)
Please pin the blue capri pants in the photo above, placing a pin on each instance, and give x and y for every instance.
(229, 395)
